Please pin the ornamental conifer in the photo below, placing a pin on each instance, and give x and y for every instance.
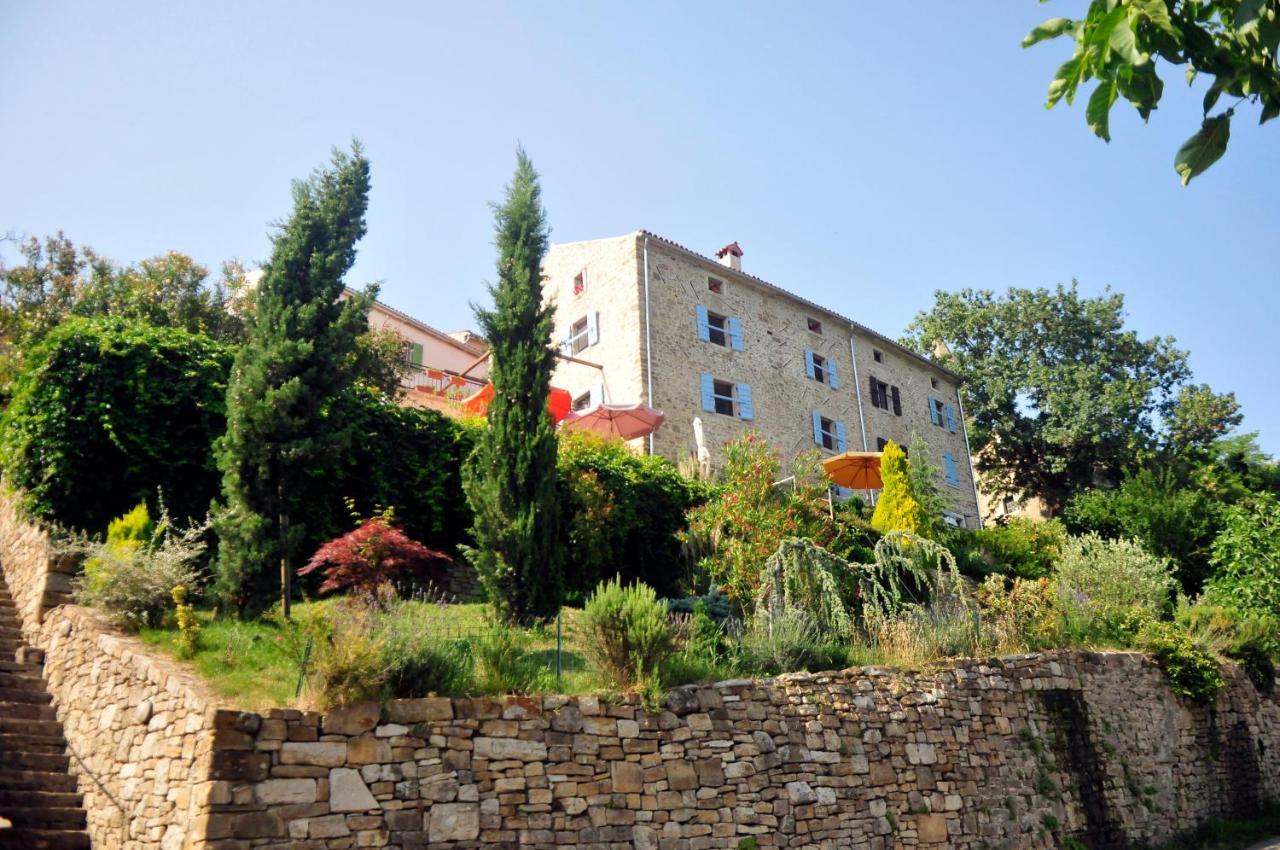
(300, 352)
(897, 509)
(510, 478)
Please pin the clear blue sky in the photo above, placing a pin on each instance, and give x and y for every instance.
(862, 158)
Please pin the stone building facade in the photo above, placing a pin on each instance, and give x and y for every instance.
(647, 320)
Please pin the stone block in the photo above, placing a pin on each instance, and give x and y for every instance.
(931, 828)
(318, 753)
(425, 710)
(681, 776)
(348, 793)
(453, 822)
(496, 749)
(355, 719)
(626, 777)
(285, 791)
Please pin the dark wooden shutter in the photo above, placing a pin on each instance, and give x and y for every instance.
(897, 402)
(875, 392)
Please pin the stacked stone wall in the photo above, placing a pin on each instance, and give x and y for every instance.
(1012, 753)
(38, 579)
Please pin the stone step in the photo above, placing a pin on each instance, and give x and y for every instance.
(55, 817)
(31, 798)
(20, 668)
(30, 728)
(37, 762)
(27, 711)
(18, 779)
(20, 681)
(20, 743)
(18, 694)
(45, 839)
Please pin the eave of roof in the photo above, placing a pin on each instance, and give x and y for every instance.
(721, 268)
(474, 348)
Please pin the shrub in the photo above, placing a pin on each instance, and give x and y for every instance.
(125, 535)
(1251, 639)
(748, 517)
(418, 661)
(348, 664)
(1021, 547)
(1192, 671)
(107, 410)
(803, 577)
(131, 580)
(188, 626)
(716, 604)
(919, 634)
(784, 644)
(1246, 556)
(373, 556)
(623, 513)
(1100, 581)
(506, 665)
(896, 509)
(626, 634)
(1022, 614)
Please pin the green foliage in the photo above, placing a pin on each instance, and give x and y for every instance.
(184, 615)
(1250, 638)
(1200, 417)
(1100, 581)
(1246, 556)
(923, 476)
(106, 411)
(1023, 614)
(300, 355)
(1019, 546)
(132, 579)
(803, 577)
(57, 281)
(348, 663)
(417, 660)
(897, 508)
(623, 513)
(748, 517)
(626, 634)
(1058, 392)
(905, 570)
(784, 644)
(506, 664)
(1152, 506)
(1192, 671)
(510, 477)
(1118, 43)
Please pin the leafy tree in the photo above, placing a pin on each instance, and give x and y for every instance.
(1200, 417)
(510, 478)
(922, 482)
(56, 280)
(108, 410)
(1061, 395)
(299, 356)
(1118, 43)
(1247, 557)
(373, 556)
(897, 509)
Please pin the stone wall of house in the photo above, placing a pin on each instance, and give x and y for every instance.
(1014, 753)
(38, 579)
(140, 732)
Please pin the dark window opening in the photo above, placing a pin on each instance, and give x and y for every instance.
(582, 402)
(827, 433)
(717, 329)
(820, 368)
(815, 326)
(579, 283)
(722, 391)
(878, 355)
(715, 285)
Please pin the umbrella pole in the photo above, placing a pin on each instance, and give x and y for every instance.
(831, 505)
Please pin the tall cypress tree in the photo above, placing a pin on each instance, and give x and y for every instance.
(510, 478)
(299, 354)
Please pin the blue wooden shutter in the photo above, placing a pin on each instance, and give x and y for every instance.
(704, 330)
(950, 470)
(735, 332)
(951, 418)
(708, 393)
(841, 445)
(817, 427)
(593, 328)
(808, 362)
(831, 374)
(745, 408)
(933, 411)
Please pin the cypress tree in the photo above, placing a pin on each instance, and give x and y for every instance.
(510, 478)
(299, 354)
(896, 509)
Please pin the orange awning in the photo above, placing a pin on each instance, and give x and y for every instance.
(558, 402)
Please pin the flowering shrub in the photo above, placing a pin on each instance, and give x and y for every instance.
(750, 514)
(1022, 614)
(372, 556)
(1101, 581)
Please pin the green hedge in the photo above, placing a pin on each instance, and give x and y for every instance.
(106, 411)
(622, 512)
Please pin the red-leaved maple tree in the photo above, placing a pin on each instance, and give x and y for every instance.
(372, 556)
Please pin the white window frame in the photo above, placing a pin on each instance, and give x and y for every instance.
(722, 329)
(731, 398)
(827, 433)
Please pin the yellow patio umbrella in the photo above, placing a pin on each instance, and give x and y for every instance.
(855, 470)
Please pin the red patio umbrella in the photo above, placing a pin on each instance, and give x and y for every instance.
(623, 421)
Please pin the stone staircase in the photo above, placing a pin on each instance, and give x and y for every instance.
(38, 796)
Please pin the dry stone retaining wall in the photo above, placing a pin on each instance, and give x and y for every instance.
(1014, 753)
(38, 580)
